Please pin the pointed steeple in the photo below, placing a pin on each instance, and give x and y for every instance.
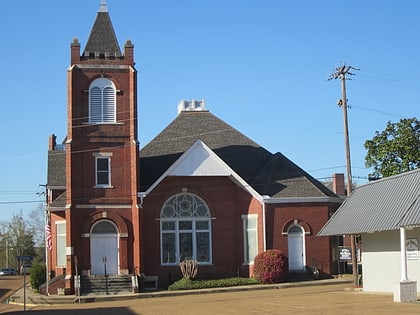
(102, 39)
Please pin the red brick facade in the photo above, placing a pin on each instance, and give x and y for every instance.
(85, 203)
(138, 220)
(227, 203)
(311, 217)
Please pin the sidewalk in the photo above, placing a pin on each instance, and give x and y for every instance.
(33, 298)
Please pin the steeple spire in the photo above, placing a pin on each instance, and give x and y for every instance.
(102, 39)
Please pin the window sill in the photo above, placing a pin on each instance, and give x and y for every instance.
(103, 123)
(103, 186)
(203, 264)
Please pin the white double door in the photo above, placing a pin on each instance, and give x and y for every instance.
(104, 254)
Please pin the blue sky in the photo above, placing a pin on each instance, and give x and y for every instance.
(261, 66)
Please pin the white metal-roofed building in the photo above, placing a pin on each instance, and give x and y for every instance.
(386, 213)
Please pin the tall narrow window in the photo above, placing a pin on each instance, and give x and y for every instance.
(250, 238)
(102, 101)
(102, 170)
(185, 230)
(61, 243)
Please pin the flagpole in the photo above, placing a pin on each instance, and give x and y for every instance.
(47, 222)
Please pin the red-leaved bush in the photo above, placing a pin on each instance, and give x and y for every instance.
(271, 267)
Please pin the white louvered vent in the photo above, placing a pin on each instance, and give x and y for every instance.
(193, 105)
(102, 101)
(95, 114)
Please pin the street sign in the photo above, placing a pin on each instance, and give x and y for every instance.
(24, 258)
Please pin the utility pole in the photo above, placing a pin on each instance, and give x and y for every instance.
(47, 225)
(343, 74)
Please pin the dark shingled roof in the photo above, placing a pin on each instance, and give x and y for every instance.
(56, 176)
(269, 174)
(282, 178)
(102, 37)
(59, 202)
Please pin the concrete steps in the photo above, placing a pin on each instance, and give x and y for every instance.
(105, 285)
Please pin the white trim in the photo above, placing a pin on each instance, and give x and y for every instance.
(87, 206)
(115, 235)
(176, 231)
(303, 239)
(264, 198)
(108, 172)
(246, 218)
(303, 199)
(102, 101)
(60, 249)
(55, 187)
(102, 154)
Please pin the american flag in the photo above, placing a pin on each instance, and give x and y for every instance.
(48, 235)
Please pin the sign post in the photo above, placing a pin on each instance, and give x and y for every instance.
(24, 259)
(344, 255)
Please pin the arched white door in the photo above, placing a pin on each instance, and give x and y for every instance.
(296, 248)
(104, 248)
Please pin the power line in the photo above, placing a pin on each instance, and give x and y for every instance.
(16, 202)
(375, 110)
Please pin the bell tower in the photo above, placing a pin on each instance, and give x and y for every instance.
(102, 155)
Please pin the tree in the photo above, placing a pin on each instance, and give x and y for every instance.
(19, 238)
(394, 150)
(36, 222)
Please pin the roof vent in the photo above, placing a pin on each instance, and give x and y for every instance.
(193, 105)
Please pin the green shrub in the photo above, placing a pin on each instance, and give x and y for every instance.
(38, 275)
(271, 267)
(189, 284)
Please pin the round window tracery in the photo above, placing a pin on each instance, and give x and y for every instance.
(185, 205)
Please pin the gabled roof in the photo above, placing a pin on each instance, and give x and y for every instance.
(102, 37)
(235, 149)
(267, 173)
(199, 160)
(386, 204)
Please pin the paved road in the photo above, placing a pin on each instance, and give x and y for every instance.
(327, 299)
(9, 285)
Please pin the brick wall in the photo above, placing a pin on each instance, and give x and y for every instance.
(227, 203)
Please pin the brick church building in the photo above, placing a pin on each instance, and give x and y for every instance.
(200, 189)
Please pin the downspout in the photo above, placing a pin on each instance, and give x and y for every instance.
(264, 225)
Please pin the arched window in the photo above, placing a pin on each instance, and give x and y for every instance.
(102, 101)
(185, 230)
(104, 227)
